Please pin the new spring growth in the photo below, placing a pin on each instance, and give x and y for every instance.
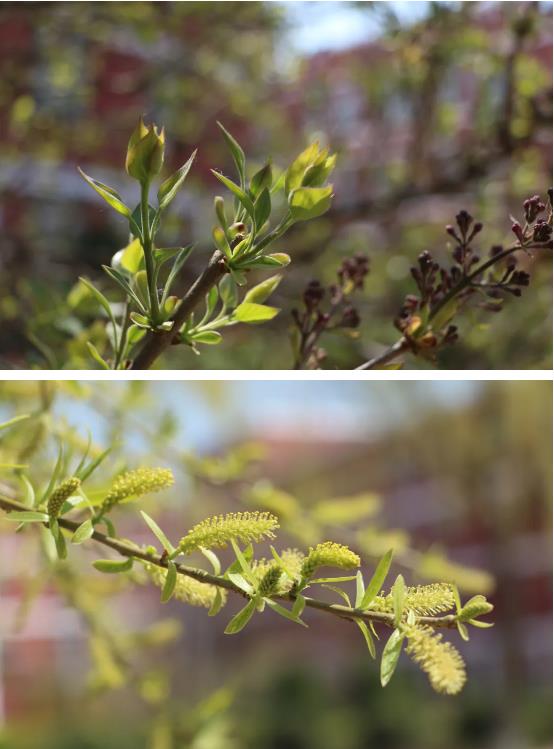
(136, 484)
(145, 152)
(423, 600)
(65, 490)
(218, 531)
(269, 584)
(329, 554)
(187, 590)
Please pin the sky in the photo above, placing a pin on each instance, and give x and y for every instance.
(316, 26)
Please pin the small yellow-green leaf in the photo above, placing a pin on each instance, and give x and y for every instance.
(170, 581)
(310, 202)
(83, 532)
(240, 620)
(391, 654)
(111, 567)
(248, 312)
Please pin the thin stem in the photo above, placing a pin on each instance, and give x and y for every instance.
(158, 341)
(122, 335)
(125, 549)
(148, 253)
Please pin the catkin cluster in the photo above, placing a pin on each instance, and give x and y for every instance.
(65, 490)
(219, 530)
(439, 659)
(329, 554)
(135, 484)
(291, 559)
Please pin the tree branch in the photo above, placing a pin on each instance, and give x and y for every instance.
(157, 341)
(128, 550)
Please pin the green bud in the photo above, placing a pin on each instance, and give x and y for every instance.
(145, 152)
(219, 206)
(476, 606)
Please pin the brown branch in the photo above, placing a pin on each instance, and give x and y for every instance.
(130, 551)
(158, 341)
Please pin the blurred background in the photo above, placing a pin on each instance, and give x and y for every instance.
(456, 476)
(432, 107)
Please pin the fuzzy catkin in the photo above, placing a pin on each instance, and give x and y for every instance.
(65, 490)
(269, 584)
(439, 659)
(423, 600)
(136, 483)
(329, 554)
(219, 530)
(187, 589)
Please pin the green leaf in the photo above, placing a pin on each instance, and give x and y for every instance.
(237, 579)
(261, 180)
(339, 591)
(170, 582)
(258, 294)
(244, 564)
(217, 603)
(27, 516)
(262, 208)
(212, 557)
(15, 420)
(282, 611)
(398, 591)
(476, 606)
(376, 582)
(100, 298)
(237, 153)
(130, 259)
(367, 637)
(208, 337)
(180, 260)
(111, 567)
(310, 202)
(240, 620)
(275, 260)
(391, 654)
(120, 279)
(110, 195)
(228, 291)
(296, 170)
(238, 192)
(28, 491)
(86, 471)
(157, 531)
(83, 532)
(445, 314)
(462, 629)
(59, 540)
(249, 312)
(93, 351)
(298, 606)
(54, 476)
(135, 220)
(360, 589)
(170, 187)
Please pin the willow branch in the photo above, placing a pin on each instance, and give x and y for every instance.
(130, 551)
(158, 341)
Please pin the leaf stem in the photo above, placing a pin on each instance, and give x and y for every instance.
(148, 253)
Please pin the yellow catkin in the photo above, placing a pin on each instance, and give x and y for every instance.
(439, 659)
(136, 483)
(423, 600)
(65, 490)
(187, 589)
(292, 560)
(219, 530)
(329, 554)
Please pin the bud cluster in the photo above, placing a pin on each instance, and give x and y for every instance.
(328, 308)
(65, 490)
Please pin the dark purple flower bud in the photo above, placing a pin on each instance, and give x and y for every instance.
(518, 231)
(452, 231)
(313, 295)
(496, 250)
(520, 278)
(464, 221)
(532, 207)
(542, 231)
(350, 318)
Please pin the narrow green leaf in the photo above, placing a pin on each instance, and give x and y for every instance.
(83, 532)
(240, 620)
(93, 351)
(27, 516)
(15, 420)
(367, 637)
(398, 591)
(59, 539)
(100, 298)
(217, 603)
(262, 208)
(28, 491)
(238, 192)
(298, 606)
(170, 187)
(86, 471)
(244, 564)
(378, 579)
(207, 337)
(111, 196)
(157, 531)
(240, 582)
(462, 629)
(391, 654)
(360, 588)
(339, 591)
(170, 582)
(259, 293)
(282, 611)
(178, 263)
(237, 153)
(212, 558)
(54, 476)
(111, 567)
(120, 279)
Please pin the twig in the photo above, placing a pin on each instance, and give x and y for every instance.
(157, 341)
(127, 550)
